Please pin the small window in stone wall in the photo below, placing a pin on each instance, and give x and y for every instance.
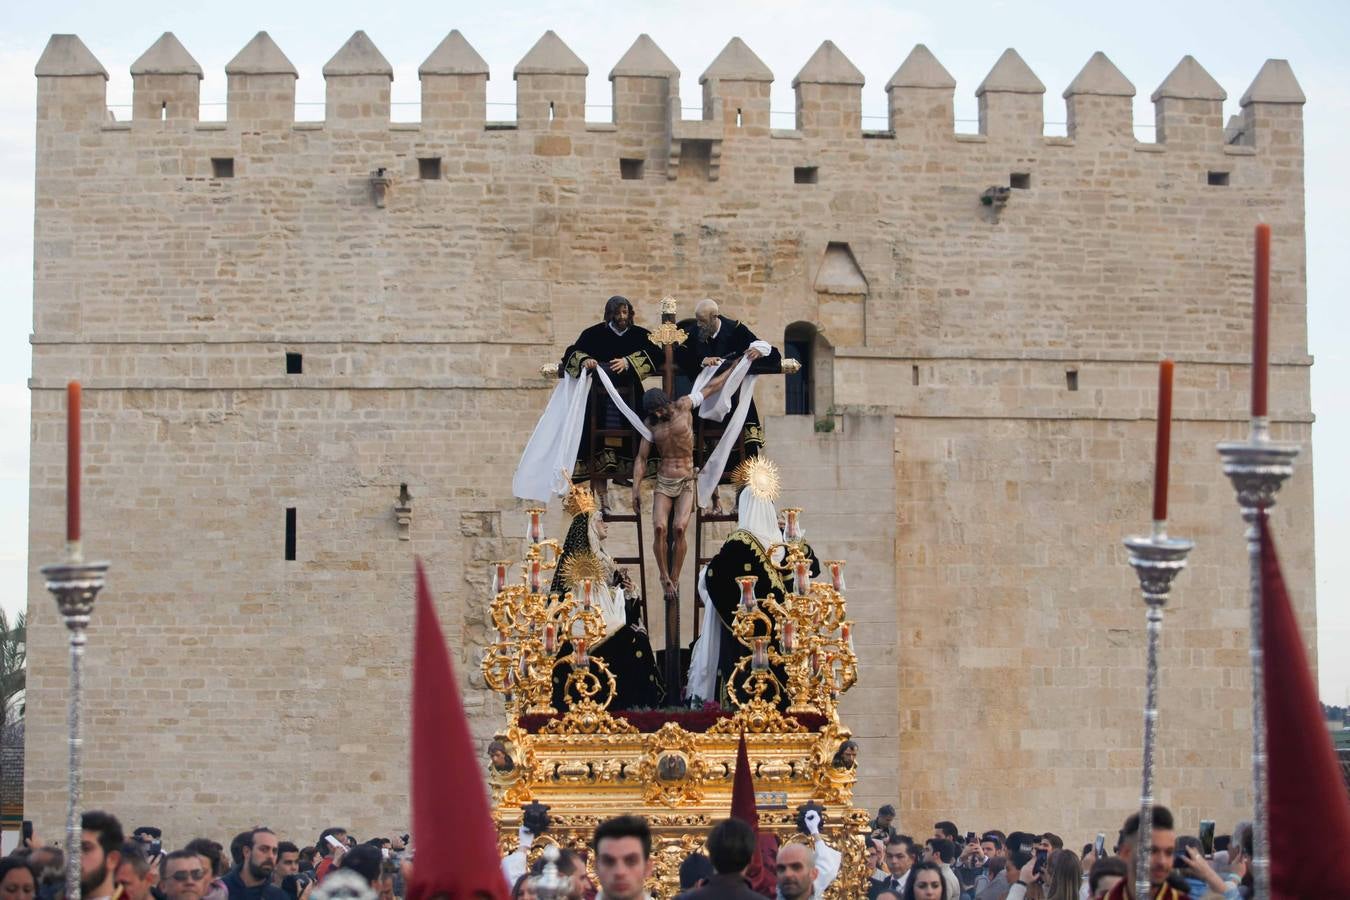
(295, 364)
(222, 167)
(806, 175)
(1020, 180)
(1218, 179)
(630, 169)
(290, 533)
(1071, 379)
(429, 168)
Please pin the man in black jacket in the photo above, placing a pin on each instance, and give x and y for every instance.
(731, 846)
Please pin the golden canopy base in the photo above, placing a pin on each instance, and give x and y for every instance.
(588, 766)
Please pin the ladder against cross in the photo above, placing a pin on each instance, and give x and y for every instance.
(668, 336)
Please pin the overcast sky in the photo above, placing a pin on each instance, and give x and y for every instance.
(1144, 39)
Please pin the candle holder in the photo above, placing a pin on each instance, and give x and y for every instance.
(748, 600)
(1156, 560)
(75, 586)
(1258, 468)
(530, 626)
(814, 647)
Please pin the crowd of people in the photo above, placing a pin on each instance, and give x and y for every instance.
(1019, 865)
(257, 865)
(735, 865)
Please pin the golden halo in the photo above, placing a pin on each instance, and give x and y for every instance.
(760, 475)
(582, 565)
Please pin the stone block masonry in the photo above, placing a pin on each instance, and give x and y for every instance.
(989, 373)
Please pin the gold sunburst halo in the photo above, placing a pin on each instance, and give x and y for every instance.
(760, 475)
(582, 565)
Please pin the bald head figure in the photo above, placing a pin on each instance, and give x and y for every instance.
(796, 869)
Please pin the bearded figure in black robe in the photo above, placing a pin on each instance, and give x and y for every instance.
(628, 355)
(626, 649)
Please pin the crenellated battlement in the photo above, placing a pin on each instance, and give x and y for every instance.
(551, 92)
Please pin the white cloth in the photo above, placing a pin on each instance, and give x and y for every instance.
(514, 865)
(757, 516)
(609, 599)
(552, 447)
(715, 406)
(702, 680)
(828, 862)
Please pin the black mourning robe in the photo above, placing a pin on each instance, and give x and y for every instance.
(733, 338)
(627, 652)
(612, 455)
(742, 554)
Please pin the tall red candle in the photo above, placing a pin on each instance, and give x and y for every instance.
(1163, 450)
(73, 461)
(1261, 321)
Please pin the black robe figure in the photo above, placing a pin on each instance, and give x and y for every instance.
(628, 651)
(613, 457)
(730, 341)
(744, 554)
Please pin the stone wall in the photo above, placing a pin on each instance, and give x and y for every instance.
(995, 367)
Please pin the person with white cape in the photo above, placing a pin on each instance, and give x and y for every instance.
(756, 548)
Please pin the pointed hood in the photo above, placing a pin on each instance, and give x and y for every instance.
(452, 826)
(1307, 790)
(760, 872)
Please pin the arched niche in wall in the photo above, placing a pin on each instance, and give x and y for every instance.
(841, 295)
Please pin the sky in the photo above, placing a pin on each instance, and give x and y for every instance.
(1144, 39)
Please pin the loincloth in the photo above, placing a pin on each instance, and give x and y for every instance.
(674, 487)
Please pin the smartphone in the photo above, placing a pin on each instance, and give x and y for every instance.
(27, 831)
(1041, 856)
(970, 837)
(155, 849)
(1099, 845)
(335, 843)
(1207, 838)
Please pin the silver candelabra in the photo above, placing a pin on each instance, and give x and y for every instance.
(1156, 559)
(1258, 468)
(75, 585)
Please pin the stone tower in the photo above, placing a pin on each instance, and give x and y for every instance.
(282, 324)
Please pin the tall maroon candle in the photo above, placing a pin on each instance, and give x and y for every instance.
(1163, 450)
(73, 461)
(1261, 321)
